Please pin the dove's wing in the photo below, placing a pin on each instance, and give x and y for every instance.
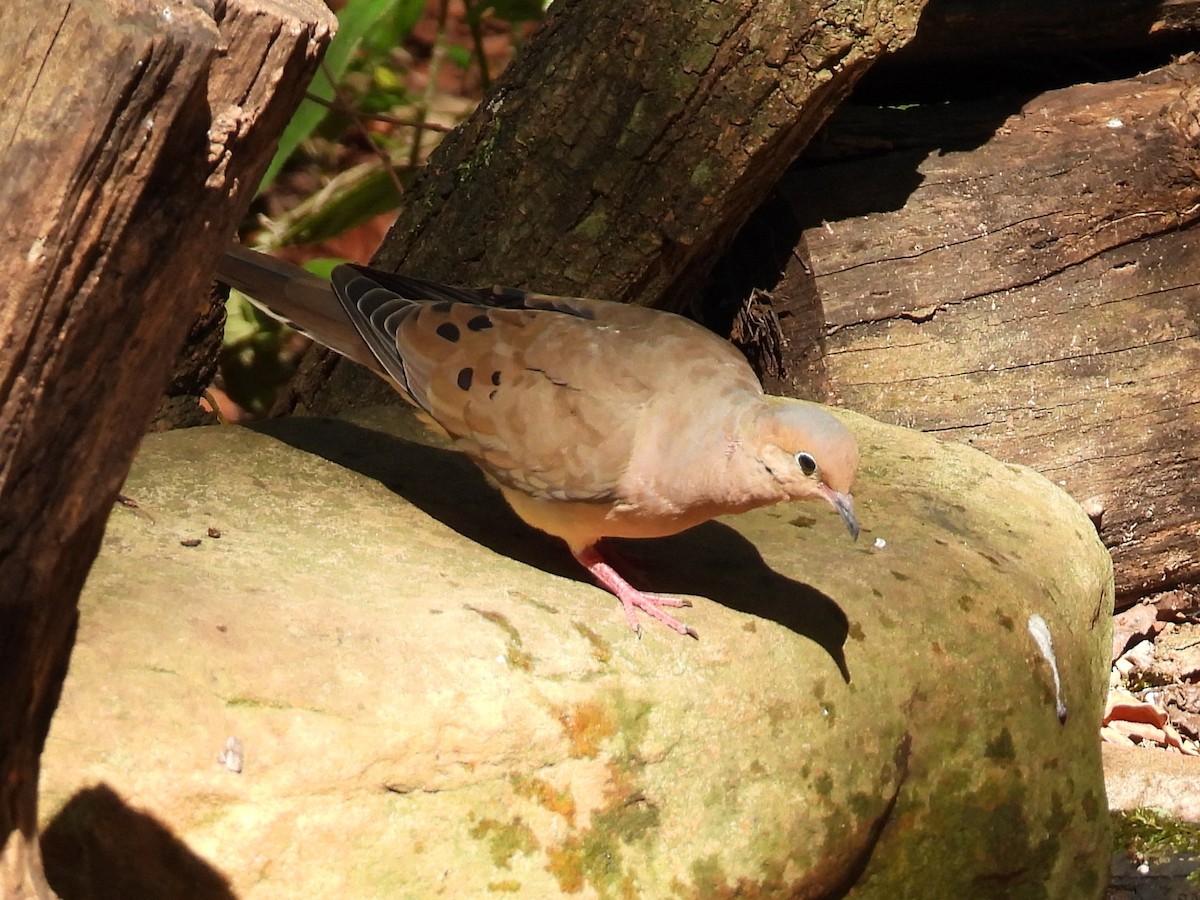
(547, 394)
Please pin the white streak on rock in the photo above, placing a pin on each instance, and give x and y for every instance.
(1041, 636)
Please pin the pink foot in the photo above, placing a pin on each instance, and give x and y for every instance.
(631, 598)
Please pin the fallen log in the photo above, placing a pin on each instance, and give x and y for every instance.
(1034, 295)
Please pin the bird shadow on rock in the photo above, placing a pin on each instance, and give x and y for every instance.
(98, 847)
(711, 560)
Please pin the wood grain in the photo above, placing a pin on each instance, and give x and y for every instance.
(1037, 296)
(127, 157)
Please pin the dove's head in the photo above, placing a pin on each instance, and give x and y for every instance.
(810, 454)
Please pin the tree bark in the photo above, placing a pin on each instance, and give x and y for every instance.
(119, 184)
(627, 144)
(624, 147)
(1034, 295)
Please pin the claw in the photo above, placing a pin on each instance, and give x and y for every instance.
(631, 598)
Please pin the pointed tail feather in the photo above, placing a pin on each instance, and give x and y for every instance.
(296, 297)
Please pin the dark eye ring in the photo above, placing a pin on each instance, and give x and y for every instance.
(806, 462)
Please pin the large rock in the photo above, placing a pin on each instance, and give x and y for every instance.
(433, 700)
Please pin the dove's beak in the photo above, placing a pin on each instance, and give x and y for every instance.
(844, 504)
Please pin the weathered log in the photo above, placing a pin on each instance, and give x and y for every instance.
(1035, 296)
(118, 186)
(626, 145)
(629, 141)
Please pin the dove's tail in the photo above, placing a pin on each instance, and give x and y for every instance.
(294, 296)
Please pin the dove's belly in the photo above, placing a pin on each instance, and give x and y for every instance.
(582, 524)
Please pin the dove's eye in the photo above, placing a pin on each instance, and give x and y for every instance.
(805, 461)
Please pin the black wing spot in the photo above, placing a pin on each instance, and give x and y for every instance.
(496, 378)
(449, 331)
(479, 323)
(464, 378)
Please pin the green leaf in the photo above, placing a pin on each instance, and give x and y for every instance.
(356, 20)
(324, 265)
(460, 56)
(393, 29)
(243, 321)
(350, 198)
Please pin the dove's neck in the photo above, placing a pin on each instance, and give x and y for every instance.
(695, 466)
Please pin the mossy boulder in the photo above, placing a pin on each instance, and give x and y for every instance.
(431, 699)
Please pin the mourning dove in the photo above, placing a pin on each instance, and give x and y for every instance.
(594, 419)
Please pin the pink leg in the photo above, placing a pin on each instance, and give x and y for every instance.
(631, 598)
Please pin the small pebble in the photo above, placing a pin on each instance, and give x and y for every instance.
(880, 544)
(1093, 507)
(233, 755)
(1140, 655)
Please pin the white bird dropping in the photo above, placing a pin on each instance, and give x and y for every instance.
(1041, 636)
